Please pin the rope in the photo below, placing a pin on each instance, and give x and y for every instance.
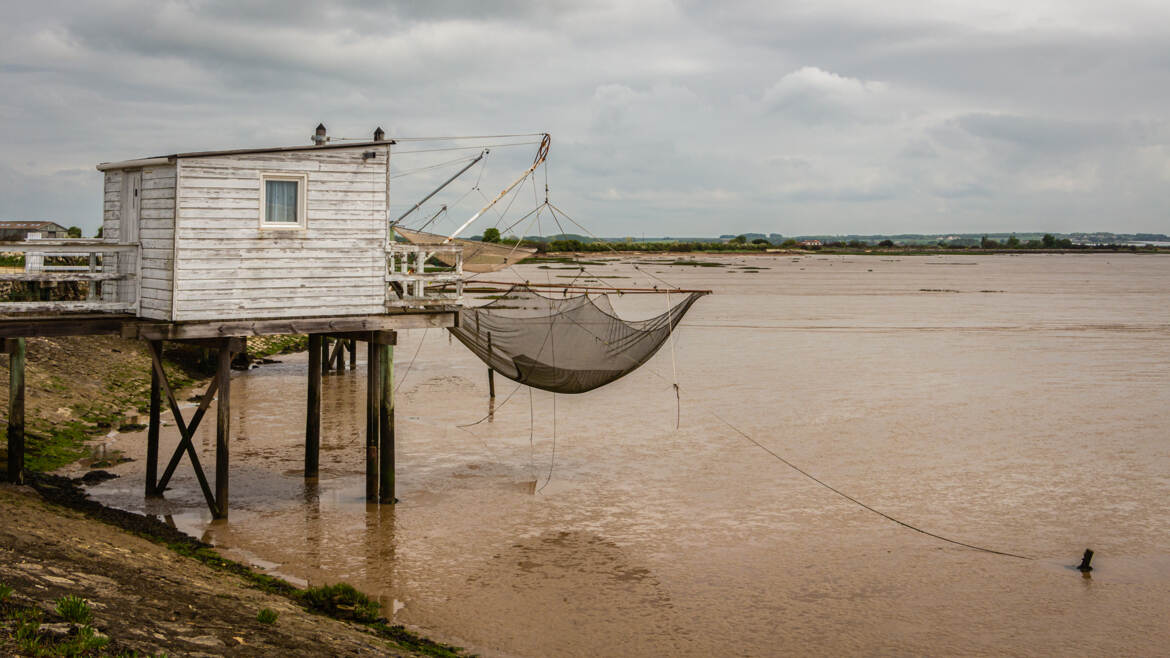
(410, 365)
(466, 148)
(858, 502)
(408, 172)
(673, 367)
(793, 467)
(458, 137)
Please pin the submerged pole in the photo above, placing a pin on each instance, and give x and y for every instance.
(16, 352)
(313, 411)
(386, 425)
(223, 428)
(373, 401)
(152, 432)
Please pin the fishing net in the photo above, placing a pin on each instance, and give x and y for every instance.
(566, 344)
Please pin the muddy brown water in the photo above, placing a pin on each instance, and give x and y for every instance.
(1015, 402)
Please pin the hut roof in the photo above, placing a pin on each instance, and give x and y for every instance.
(170, 159)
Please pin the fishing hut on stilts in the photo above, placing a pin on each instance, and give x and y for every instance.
(211, 248)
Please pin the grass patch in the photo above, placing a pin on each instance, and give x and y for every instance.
(74, 609)
(262, 346)
(5, 592)
(342, 601)
(267, 616)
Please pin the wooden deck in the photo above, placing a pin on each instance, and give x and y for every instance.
(228, 338)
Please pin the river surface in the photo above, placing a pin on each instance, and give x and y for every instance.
(1020, 403)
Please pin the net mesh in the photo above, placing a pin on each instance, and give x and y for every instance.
(566, 344)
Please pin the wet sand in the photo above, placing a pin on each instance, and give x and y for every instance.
(1015, 402)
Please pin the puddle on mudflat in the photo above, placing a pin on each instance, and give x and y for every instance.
(1030, 421)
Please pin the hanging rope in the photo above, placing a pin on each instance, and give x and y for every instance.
(856, 501)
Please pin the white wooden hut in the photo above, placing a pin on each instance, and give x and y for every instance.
(263, 233)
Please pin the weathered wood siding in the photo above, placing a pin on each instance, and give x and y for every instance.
(156, 228)
(227, 266)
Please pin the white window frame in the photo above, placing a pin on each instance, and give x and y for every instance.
(302, 181)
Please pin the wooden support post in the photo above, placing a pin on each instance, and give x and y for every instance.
(313, 413)
(373, 401)
(16, 352)
(386, 427)
(324, 354)
(353, 354)
(335, 360)
(185, 431)
(223, 428)
(491, 371)
(152, 432)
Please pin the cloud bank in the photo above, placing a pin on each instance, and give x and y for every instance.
(668, 118)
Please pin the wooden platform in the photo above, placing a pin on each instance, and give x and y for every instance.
(129, 326)
(228, 338)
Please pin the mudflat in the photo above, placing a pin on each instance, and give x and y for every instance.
(1014, 402)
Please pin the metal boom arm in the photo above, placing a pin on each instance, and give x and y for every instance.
(439, 188)
(541, 154)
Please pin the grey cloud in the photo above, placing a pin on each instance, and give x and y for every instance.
(833, 117)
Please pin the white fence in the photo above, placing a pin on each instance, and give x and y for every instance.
(108, 270)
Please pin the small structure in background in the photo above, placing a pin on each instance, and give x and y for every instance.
(811, 243)
(31, 230)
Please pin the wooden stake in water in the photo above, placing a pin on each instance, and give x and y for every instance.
(386, 426)
(373, 402)
(313, 412)
(152, 432)
(223, 423)
(491, 371)
(16, 351)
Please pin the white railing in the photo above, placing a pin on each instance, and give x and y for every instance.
(109, 271)
(409, 283)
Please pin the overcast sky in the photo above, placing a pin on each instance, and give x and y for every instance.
(683, 118)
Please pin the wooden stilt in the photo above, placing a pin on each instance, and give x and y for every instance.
(325, 354)
(337, 359)
(16, 352)
(491, 371)
(386, 426)
(152, 432)
(185, 431)
(313, 413)
(223, 424)
(373, 401)
(353, 354)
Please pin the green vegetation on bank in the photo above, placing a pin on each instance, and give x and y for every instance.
(339, 601)
(64, 631)
(756, 242)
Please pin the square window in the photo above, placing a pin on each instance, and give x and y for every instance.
(282, 201)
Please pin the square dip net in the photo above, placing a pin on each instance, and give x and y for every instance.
(569, 344)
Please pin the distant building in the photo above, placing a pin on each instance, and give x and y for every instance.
(22, 230)
(811, 243)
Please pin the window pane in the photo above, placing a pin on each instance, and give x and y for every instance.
(280, 201)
